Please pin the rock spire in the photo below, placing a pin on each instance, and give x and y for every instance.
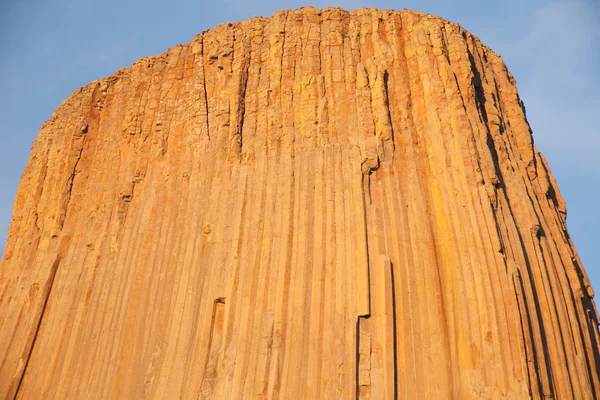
(319, 204)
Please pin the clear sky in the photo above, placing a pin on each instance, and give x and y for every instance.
(48, 49)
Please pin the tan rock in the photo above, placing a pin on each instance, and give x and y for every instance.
(319, 204)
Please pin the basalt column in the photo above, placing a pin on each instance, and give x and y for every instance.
(319, 204)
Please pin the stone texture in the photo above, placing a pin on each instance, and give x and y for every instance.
(319, 204)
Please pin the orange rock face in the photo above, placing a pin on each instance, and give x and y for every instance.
(320, 204)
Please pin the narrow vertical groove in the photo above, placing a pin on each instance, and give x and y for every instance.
(210, 376)
(39, 324)
(315, 334)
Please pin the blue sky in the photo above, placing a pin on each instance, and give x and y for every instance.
(49, 49)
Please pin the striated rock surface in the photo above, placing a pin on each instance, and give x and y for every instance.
(319, 204)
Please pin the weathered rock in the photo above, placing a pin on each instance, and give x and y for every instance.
(319, 204)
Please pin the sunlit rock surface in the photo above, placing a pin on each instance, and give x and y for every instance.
(319, 204)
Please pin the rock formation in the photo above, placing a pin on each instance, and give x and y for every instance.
(319, 204)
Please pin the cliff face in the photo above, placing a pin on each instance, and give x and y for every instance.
(319, 204)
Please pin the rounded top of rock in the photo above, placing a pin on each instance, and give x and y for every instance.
(311, 13)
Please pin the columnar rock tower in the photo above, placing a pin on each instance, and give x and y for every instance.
(319, 204)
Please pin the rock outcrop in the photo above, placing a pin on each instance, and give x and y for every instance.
(319, 204)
